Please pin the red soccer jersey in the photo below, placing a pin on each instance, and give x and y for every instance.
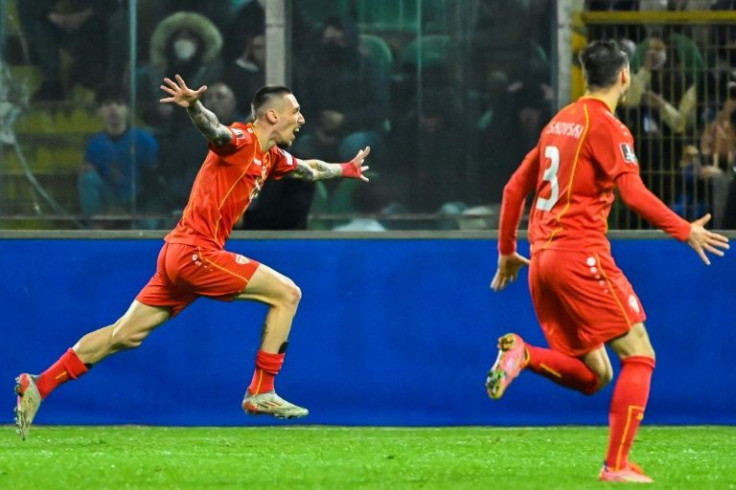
(230, 178)
(582, 154)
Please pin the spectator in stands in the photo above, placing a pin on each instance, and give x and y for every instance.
(499, 38)
(249, 19)
(78, 26)
(368, 200)
(718, 146)
(248, 22)
(117, 160)
(667, 69)
(247, 73)
(347, 94)
(493, 125)
(186, 43)
(661, 105)
(424, 151)
(696, 198)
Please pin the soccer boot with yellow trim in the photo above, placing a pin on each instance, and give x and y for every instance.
(27, 404)
(269, 403)
(509, 363)
(631, 473)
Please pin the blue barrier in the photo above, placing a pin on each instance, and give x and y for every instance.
(389, 332)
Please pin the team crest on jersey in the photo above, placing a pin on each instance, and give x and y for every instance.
(239, 134)
(241, 259)
(633, 303)
(628, 153)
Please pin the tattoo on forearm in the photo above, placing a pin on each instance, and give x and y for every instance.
(312, 170)
(208, 124)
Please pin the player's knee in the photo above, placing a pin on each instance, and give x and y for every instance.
(604, 378)
(292, 295)
(287, 295)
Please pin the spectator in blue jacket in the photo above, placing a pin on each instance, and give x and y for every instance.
(116, 160)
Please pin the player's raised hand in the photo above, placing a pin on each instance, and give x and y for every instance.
(354, 168)
(702, 240)
(508, 269)
(181, 95)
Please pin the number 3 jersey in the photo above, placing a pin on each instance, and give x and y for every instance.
(583, 154)
(230, 178)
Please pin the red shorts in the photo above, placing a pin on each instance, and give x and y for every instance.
(186, 272)
(582, 299)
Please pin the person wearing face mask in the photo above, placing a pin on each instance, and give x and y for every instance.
(186, 43)
(185, 48)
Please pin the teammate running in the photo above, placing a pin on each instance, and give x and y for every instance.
(581, 298)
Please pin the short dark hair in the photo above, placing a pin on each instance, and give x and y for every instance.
(264, 96)
(111, 93)
(602, 61)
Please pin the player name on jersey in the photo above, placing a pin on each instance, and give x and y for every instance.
(565, 129)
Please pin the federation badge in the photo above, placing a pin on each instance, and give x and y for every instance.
(628, 153)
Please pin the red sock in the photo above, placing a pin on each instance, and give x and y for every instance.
(267, 367)
(562, 369)
(68, 367)
(627, 407)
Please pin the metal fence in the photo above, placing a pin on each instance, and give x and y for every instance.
(681, 105)
(680, 109)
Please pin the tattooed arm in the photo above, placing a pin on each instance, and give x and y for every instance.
(205, 120)
(312, 170)
(208, 124)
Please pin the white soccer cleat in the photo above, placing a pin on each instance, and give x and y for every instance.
(270, 403)
(28, 403)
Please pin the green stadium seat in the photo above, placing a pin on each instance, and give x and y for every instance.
(378, 49)
(429, 51)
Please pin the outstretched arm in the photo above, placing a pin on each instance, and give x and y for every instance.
(640, 199)
(217, 133)
(312, 170)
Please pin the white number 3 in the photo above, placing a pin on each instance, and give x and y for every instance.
(550, 175)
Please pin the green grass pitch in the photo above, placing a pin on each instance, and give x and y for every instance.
(296, 457)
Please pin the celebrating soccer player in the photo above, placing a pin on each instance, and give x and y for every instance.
(581, 298)
(193, 262)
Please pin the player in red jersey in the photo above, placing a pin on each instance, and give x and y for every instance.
(582, 300)
(193, 263)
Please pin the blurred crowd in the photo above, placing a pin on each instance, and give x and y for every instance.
(682, 104)
(448, 114)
